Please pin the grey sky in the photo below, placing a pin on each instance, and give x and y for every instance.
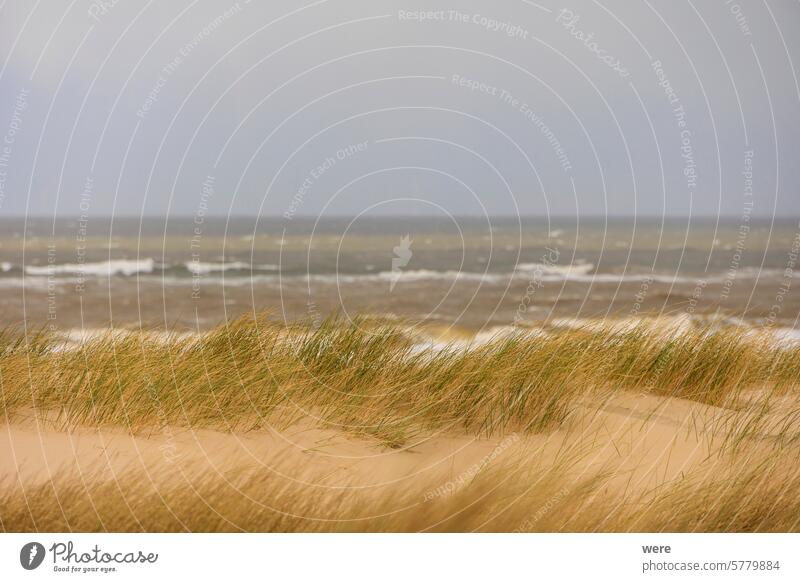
(145, 102)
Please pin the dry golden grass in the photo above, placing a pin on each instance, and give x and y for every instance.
(748, 495)
(368, 379)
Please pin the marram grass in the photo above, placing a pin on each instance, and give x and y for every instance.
(747, 495)
(369, 378)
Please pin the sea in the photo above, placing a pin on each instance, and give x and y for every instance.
(471, 274)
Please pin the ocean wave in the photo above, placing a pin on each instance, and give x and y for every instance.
(126, 267)
(200, 268)
(788, 336)
(560, 270)
(429, 275)
(100, 269)
(667, 326)
(243, 273)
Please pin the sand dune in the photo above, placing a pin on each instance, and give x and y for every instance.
(348, 428)
(644, 441)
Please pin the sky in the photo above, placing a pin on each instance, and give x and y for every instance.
(341, 108)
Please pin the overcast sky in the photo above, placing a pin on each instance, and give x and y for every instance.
(339, 107)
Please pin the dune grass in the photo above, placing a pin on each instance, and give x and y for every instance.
(368, 377)
(741, 496)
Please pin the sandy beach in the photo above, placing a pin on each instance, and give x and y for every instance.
(615, 459)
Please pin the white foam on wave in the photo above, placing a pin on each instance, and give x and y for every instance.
(787, 336)
(75, 338)
(242, 273)
(200, 268)
(559, 270)
(101, 269)
(430, 275)
(429, 346)
(419, 275)
(666, 324)
(427, 275)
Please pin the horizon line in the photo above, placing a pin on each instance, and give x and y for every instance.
(782, 218)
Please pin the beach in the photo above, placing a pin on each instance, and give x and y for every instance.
(676, 430)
